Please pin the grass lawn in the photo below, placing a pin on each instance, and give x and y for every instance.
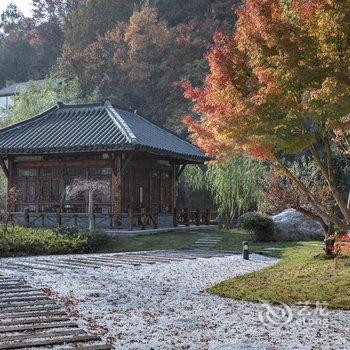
(231, 240)
(303, 275)
(169, 240)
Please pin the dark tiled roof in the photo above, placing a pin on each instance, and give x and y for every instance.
(93, 127)
(16, 88)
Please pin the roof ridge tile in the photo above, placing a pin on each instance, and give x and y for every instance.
(119, 121)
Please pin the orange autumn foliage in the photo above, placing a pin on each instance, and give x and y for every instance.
(276, 80)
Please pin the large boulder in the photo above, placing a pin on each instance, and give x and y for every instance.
(290, 225)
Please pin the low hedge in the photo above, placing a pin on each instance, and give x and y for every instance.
(27, 241)
(260, 226)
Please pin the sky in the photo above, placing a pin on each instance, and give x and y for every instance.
(24, 5)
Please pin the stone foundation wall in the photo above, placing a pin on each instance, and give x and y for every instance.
(82, 222)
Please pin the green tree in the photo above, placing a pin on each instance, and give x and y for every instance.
(33, 101)
(236, 185)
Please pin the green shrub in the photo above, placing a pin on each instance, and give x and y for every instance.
(260, 226)
(66, 230)
(28, 241)
(95, 240)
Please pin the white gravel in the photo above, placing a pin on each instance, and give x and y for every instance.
(166, 306)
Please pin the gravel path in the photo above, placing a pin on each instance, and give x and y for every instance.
(166, 306)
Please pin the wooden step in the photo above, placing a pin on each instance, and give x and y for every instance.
(47, 342)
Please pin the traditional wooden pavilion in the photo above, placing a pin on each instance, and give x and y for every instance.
(139, 161)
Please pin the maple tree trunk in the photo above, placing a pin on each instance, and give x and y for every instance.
(322, 213)
(318, 207)
(334, 220)
(328, 173)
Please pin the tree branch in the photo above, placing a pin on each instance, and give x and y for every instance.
(319, 208)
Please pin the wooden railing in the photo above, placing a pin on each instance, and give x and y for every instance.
(142, 219)
(58, 218)
(192, 217)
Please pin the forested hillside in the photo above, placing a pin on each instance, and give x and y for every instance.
(133, 52)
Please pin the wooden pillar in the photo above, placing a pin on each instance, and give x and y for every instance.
(58, 217)
(130, 219)
(155, 219)
(207, 217)
(175, 218)
(10, 185)
(4, 167)
(117, 189)
(143, 218)
(26, 218)
(198, 217)
(173, 187)
(186, 217)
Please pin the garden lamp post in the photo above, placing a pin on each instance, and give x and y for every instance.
(245, 245)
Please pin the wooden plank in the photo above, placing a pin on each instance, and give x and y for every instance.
(37, 326)
(33, 320)
(28, 266)
(18, 291)
(157, 258)
(13, 285)
(27, 303)
(132, 259)
(55, 264)
(63, 264)
(43, 312)
(122, 262)
(74, 264)
(48, 342)
(42, 334)
(103, 263)
(170, 258)
(81, 262)
(16, 309)
(25, 298)
(24, 294)
(8, 279)
(141, 258)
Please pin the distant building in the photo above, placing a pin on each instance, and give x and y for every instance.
(8, 92)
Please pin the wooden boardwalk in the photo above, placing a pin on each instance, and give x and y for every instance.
(31, 320)
(98, 261)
